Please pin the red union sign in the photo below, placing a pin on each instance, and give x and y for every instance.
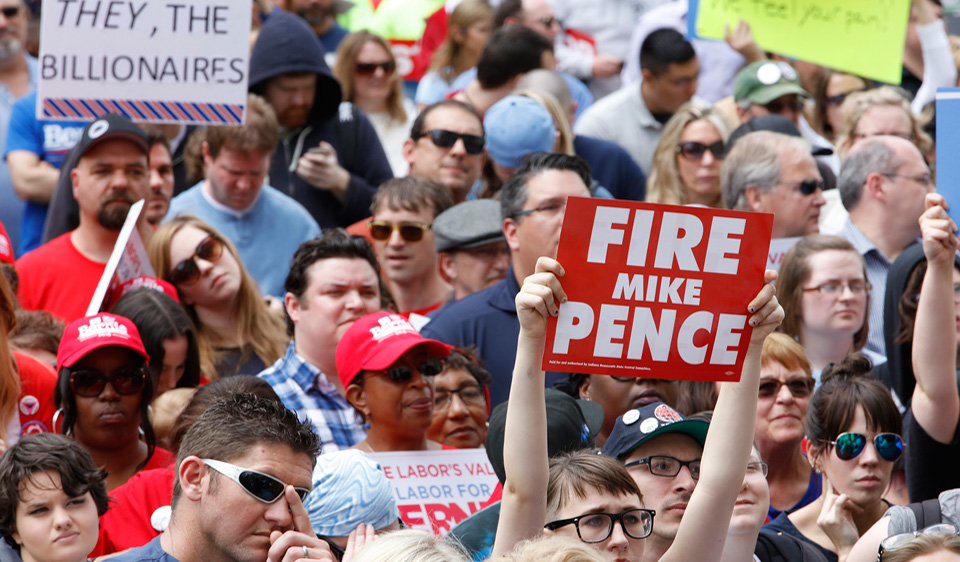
(656, 291)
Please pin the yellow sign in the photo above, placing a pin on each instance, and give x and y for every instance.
(863, 37)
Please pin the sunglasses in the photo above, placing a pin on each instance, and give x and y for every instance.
(409, 231)
(90, 383)
(473, 144)
(429, 368)
(370, 68)
(695, 150)
(809, 186)
(187, 272)
(850, 445)
(263, 487)
(777, 106)
(799, 388)
(837, 100)
(10, 11)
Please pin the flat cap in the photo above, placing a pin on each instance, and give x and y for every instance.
(467, 225)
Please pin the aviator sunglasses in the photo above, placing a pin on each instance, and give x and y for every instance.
(90, 383)
(263, 487)
(850, 445)
(187, 272)
(409, 231)
(473, 144)
(695, 150)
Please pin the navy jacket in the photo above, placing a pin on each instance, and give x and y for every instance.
(612, 167)
(286, 45)
(488, 320)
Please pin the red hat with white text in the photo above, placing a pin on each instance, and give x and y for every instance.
(376, 341)
(93, 332)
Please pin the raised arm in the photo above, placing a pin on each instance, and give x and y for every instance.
(726, 451)
(935, 401)
(524, 505)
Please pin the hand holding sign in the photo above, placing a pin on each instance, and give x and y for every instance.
(937, 230)
(767, 312)
(540, 298)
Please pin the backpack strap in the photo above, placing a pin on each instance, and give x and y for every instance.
(926, 512)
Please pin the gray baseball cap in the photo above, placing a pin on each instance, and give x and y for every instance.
(468, 225)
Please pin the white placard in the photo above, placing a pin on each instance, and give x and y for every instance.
(167, 61)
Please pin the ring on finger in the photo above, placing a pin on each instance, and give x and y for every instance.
(306, 553)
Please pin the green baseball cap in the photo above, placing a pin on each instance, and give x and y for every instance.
(764, 81)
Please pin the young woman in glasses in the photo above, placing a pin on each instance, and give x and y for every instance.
(785, 390)
(51, 496)
(103, 394)
(460, 406)
(686, 164)
(594, 498)
(236, 333)
(368, 74)
(826, 299)
(853, 430)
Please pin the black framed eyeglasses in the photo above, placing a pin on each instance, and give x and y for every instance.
(667, 466)
(263, 487)
(187, 272)
(798, 387)
(470, 395)
(695, 150)
(548, 209)
(403, 373)
(473, 144)
(89, 383)
(597, 527)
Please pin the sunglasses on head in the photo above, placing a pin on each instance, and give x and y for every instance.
(695, 150)
(849, 445)
(369, 68)
(429, 368)
(409, 231)
(473, 144)
(263, 487)
(799, 388)
(90, 383)
(187, 272)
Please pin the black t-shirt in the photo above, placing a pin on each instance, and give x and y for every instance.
(931, 466)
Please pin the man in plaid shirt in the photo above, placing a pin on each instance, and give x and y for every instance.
(333, 280)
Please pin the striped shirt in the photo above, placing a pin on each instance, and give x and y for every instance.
(307, 391)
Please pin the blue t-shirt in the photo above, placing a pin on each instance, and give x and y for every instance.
(50, 140)
(332, 38)
(150, 552)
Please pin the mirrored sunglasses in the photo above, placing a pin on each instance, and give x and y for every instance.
(263, 487)
(409, 231)
(849, 445)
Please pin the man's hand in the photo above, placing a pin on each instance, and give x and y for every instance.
(300, 543)
(540, 297)
(605, 66)
(321, 169)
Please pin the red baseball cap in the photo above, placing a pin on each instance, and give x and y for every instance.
(376, 341)
(6, 248)
(143, 282)
(93, 332)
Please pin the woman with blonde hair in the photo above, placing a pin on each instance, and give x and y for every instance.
(881, 111)
(236, 332)
(368, 74)
(686, 164)
(468, 30)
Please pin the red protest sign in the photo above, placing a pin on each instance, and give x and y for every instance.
(656, 291)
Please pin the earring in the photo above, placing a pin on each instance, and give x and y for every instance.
(56, 417)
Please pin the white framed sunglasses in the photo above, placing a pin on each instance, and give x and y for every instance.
(263, 487)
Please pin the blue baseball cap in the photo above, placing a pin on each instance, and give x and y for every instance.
(517, 127)
(638, 425)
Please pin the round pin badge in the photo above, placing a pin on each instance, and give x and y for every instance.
(769, 73)
(649, 425)
(630, 417)
(98, 128)
(29, 405)
(788, 71)
(161, 518)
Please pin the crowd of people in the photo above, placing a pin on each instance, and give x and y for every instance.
(368, 265)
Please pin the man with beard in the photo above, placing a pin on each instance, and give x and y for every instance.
(161, 178)
(320, 15)
(112, 173)
(18, 75)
